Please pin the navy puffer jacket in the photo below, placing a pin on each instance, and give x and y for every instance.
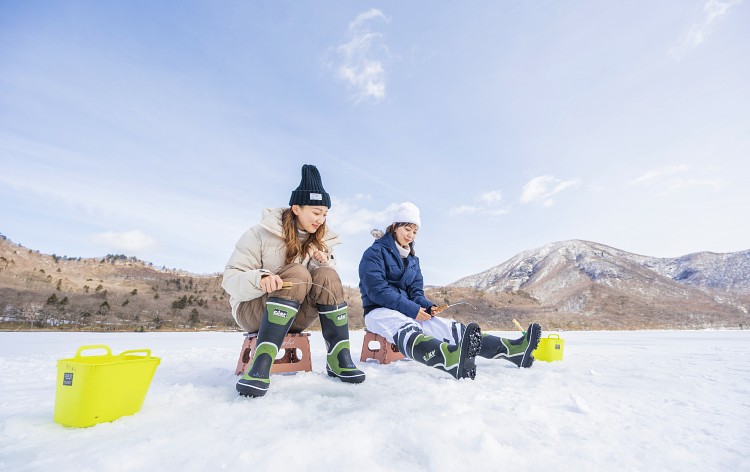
(386, 280)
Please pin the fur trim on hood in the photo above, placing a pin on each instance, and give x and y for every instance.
(377, 233)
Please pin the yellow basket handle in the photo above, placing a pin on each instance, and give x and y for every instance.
(553, 335)
(93, 346)
(133, 351)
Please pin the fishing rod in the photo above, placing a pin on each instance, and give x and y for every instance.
(288, 285)
(440, 308)
(518, 325)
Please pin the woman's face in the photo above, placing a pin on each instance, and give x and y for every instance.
(309, 217)
(406, 234)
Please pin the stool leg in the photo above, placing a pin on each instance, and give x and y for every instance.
(246, 354)
(367, 353)
(384, 354)
(306, 362)
(392, 353)
(290, 361)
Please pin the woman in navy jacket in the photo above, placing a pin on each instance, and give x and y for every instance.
(396, 308)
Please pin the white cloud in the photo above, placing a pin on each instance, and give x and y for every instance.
(128, 241)
(363, 196)
(679, 184)
(365, 17)
(348, 217)
(359, 66)
(491, 197)
(713, 11)
(651, 175)
(497, 211)
(489, 203)
(464, 210)
(544, 187)
(665, 180)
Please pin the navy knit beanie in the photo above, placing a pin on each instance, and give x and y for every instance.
(310, 190)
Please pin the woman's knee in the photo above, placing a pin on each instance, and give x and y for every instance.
(249, 314)
(387, 323)
(326, 287)
(295, 273)
(325, 276)
(300, 278)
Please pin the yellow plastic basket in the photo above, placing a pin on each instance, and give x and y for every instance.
(550, 348)
(97, 389)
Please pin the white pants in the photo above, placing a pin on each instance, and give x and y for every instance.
(387, 322)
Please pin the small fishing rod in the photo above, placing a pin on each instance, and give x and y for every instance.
(287, 285)
(440, 308)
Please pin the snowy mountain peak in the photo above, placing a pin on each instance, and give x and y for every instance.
(586, 277)
(536, 264)
(554, 271)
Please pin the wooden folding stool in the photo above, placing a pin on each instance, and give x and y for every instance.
(385, 353)
(290, 361)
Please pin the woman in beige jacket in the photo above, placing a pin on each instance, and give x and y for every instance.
(290, 246)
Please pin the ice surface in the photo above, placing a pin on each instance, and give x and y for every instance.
(654, 400)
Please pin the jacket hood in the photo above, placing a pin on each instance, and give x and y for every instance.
(271, 220)
(385, 239)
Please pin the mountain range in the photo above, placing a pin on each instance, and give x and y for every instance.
(624, 289)
(563, 285)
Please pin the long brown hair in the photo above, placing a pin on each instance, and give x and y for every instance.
(392, 231)
(294, 247)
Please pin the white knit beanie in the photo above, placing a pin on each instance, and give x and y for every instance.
(407, 212)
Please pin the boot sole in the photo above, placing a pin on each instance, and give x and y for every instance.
(472, 343)
(354, 379)
(534, 337)
(248, 390)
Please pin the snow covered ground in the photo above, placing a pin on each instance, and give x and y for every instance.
(655, 400)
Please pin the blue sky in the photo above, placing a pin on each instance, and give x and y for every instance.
(162, 129)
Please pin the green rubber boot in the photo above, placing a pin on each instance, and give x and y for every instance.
(273, 327)
(334, 321)
(455, 359)
(518, 351)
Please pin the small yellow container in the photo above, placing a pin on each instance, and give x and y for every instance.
(550, 348)
(97, 389)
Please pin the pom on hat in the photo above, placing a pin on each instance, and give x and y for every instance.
(407, 212)
(310, 190)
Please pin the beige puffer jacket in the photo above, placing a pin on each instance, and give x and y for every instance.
(261, 251)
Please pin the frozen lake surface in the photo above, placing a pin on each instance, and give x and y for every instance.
(649, 400)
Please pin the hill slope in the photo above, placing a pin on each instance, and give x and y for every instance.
(114, 292)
